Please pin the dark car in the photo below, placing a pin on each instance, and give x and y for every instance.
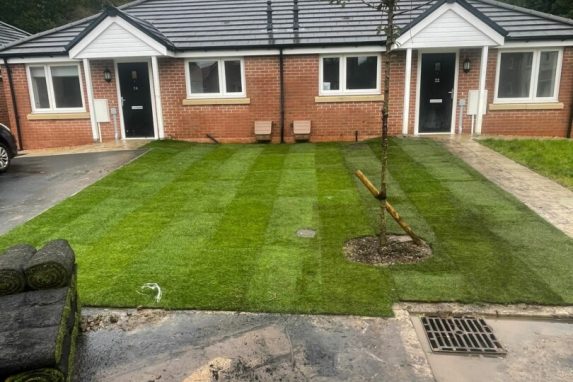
(8, 149)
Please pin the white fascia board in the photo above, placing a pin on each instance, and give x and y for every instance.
(41, 60)
(336, 50)
(537, 44)
(228, 53)
(276, 52)
(94, 56)
(405, 41)
(76, 51)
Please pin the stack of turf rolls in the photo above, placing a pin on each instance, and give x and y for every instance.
(39, 313)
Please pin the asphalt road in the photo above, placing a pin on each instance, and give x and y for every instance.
(187, 346)
(34, 184)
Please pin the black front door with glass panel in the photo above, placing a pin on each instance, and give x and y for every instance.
(136, 98)
(437, 92)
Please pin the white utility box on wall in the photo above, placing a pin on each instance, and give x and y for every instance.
(473, 96)
(101, 111)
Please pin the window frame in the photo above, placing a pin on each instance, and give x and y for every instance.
(50, 87)
(342, 75)
(532, 98)
(223, 93)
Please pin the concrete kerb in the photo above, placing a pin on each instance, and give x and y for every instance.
(524, 311)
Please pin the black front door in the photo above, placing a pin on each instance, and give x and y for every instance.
(437, 92)
(136, 97)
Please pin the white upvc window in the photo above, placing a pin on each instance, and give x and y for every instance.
(349, 74)
(215, 78)
(528, 76)
(56, 88)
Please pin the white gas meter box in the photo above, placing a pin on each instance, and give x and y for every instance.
(101, 110)
(473, 96)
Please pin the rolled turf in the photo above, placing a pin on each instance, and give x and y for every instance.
(51, 267)
(63, 371)
(36, 334)
(12, 264)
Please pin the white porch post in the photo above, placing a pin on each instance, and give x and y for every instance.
(407, 83)
(158, 105)
(482, 84)
(90, 90)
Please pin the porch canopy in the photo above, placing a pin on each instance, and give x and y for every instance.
(116, 35)
(450, 24)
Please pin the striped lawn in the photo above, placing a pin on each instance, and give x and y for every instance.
(215, 227)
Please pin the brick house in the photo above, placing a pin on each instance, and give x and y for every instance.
(8, 34)
(186, 69)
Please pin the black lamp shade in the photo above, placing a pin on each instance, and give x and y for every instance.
(107, 75)
(467, 65)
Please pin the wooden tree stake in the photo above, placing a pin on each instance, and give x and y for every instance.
(391, 210)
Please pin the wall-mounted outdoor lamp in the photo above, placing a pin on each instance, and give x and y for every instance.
(107, 75)
(467, 65)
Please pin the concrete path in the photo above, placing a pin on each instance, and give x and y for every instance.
(35, 183)
(548, 199)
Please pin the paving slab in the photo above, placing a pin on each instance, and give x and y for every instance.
(120, 145)
(547, 198)
(536, 351)
(217, 346)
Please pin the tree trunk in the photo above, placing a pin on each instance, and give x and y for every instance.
(385, 110)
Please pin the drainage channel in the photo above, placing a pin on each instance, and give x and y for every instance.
(461, 335)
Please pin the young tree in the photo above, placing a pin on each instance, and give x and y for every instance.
(390, 31)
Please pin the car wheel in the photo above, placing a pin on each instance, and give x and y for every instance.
(4, 158)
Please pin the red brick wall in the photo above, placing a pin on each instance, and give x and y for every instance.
(235, 123)
(38, 134)
(552, 123)
(330, 121)
(106, 90)
(227, 123)
(520, 122)
(466, 82)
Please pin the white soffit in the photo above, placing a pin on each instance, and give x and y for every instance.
(450, 26)
(116, 38)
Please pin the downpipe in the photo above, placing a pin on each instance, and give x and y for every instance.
(14, 104)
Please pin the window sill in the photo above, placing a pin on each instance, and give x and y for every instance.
(349, 98)
(55, 116)
(527, 106)
(216, 101)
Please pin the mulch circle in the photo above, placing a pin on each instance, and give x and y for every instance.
(399, 250)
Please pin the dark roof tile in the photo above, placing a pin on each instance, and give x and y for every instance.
(216, 24)
(9, 34)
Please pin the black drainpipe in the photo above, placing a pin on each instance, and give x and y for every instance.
(295, 24)
(282, 86)
(14, 104)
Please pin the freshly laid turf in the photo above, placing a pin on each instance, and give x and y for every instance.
(552, 158)
(215, 227)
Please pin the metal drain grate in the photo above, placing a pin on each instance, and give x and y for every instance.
(465, 335)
